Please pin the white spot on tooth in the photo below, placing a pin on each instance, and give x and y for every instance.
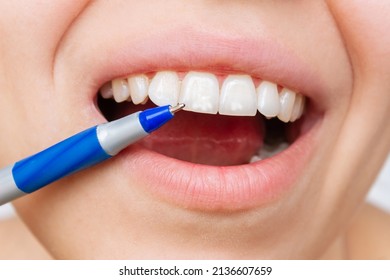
(200, 93)
(164, 88)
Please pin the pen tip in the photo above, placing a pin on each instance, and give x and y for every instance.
(177, 108)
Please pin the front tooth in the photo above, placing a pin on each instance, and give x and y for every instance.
(164, 88)
(200, 93)
(287, 98)
(297, 107)
(138, 86)
(238, 96)
(268, 99)
(120, 90)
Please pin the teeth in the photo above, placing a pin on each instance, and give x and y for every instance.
(268, 99)
(200, 93)
(302, 107)
(297, 109)
(238, 96)
(138, 86)
(106, 91)
(164, 88)
(254, 158)
(269, 151)
(287, 98)
(120, 90)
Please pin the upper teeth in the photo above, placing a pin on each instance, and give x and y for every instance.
(201, 93)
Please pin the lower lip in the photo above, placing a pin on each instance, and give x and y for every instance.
(223, 188)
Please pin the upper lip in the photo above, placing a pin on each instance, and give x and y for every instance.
(262, 57)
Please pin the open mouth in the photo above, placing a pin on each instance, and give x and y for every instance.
(231, 119)
(251, 128)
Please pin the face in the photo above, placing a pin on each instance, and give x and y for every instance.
(189, 191)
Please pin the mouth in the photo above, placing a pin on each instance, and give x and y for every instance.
(241, 142)
(230, 119)
(250, 129)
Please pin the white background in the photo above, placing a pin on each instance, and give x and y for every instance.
(379, 194)
(281, 270)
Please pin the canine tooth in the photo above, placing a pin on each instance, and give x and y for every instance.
(238, 96)
(268, 99)
(164, 88)
(287, 98)
(200, 93)
(120, 90)
(138, 86)
(296, 108)
(106, 90)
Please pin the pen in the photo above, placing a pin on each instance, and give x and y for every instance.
(80, 151)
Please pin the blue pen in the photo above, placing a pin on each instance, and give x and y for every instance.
(80, 151)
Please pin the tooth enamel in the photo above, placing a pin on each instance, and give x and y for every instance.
(120, 90)
(106, 91)
(302, 108)
(164, 88)
(138, 86)
(238, 96)
(287, 98)
(296, 108)
(145, 101)
(268, 151)
(200, 93)
(268, 99)
(254, 158)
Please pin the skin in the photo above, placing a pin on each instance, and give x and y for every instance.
(41, 88)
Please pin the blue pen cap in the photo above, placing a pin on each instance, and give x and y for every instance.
(152, 119)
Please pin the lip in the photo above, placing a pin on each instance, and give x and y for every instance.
(263, 58)
(194, 186)
(219, 188)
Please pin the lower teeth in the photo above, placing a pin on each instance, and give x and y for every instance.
(269, 151)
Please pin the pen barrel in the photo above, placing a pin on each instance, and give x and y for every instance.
(69, 156)
(78, 152)
(8, 189)
(116, 135)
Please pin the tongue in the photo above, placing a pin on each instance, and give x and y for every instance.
(208, 139)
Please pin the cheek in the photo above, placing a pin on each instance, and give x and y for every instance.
(28, 102)
(26, 62)
(364, 29)
(364, 140)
